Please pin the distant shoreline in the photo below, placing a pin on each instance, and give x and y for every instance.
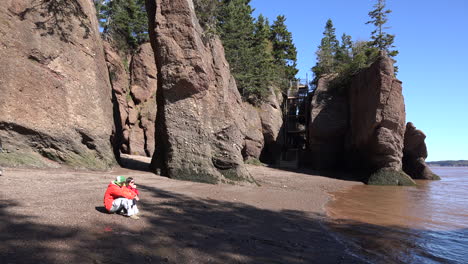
(448, 163)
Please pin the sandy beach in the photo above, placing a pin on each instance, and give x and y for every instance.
(57, 216)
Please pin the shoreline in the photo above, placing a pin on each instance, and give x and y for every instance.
(57, 216)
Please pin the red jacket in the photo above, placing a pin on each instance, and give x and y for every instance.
(113, 192)
(133, 189)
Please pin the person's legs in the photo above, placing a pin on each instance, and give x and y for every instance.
(126, 205)
(131, 208)
(117, 205)
(135, 208)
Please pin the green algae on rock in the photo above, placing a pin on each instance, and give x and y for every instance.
(388, 176)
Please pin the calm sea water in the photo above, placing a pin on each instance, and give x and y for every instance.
(423, 224)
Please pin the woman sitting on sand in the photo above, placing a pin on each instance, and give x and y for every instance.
(130, 184)
(119, 198)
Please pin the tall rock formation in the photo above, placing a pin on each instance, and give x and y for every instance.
(119, 81)
(415, 154)
(55, 94)
(263, 125)
(200, 125)
(134, 89)
(143, 88)
(377, 124)
(328, 125)
(254, 140)
(271, 118)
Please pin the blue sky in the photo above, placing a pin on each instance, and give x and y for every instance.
(432, 38)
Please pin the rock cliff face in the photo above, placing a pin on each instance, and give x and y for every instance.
(254, 140)
(415, 154)
(271, 118)
(119, 81)
(328, 125)
(143, 90)
(55, 94)
(361, 129)
(134, 91)
(200, 122)
(377, 123)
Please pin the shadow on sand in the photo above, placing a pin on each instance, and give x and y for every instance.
(175, 229)
(133, 163)
(179, 229)
(101, 209)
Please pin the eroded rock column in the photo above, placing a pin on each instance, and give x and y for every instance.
(199, 126)
(415, 154)
(377, 124)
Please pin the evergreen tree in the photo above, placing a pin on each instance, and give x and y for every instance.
(264, 69)
(250, 45)
(284, 52)
(363, 55)
(236, 29)
(381, 39)
(327, 52)
(124, 22)
(344, 60)
(344, 52)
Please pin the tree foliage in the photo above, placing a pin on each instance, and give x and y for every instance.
(381, 39)
(260, 55)
(327, 53)
(346, 59)
(284, 51)
(342, 59)
(124, 22)
(236, 29)
(264, 69)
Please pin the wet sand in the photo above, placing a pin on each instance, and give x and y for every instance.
(57, 216)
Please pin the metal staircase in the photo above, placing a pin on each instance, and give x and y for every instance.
(295, 124)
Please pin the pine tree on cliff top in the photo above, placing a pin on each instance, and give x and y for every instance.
(284, 50)
(327, 52)
(344, 53)
(381, 39)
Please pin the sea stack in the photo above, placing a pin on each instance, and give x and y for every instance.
(377, 124)
(415, 154)
(200, 127)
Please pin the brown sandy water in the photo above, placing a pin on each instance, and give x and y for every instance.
(423, 224)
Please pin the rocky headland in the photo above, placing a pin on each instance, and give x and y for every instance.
(69, 98)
